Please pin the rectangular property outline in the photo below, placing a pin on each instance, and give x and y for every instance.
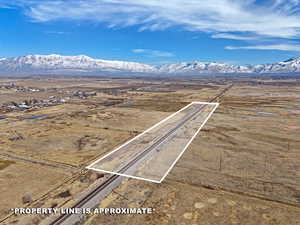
(90, 167)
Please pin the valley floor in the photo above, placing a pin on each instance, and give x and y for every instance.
(242, 168)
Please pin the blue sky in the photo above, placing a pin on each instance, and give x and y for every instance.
(153, 31)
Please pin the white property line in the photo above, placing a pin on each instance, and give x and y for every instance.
(209, 115)
(90, 167)
(124, 175)
(169, 117)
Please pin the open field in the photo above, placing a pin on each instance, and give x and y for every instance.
(20, 179)
(250, 147)
(186, 204)
(158, 147)
(243, 167)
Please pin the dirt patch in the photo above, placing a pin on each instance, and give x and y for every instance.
(5, 163)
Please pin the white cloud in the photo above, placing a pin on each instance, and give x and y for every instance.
(150, 52)
(273, 18)
(56, 32)
(281, 47)
(235, 37)
(138, 50)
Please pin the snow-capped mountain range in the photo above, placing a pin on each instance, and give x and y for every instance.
(81, 63)
(57, 64)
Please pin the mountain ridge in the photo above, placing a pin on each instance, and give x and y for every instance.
(55, 63)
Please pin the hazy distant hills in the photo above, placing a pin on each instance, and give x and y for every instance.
(57, 64)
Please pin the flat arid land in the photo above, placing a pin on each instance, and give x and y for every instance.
(242, 168)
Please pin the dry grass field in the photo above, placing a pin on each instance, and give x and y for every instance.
(243, 167)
